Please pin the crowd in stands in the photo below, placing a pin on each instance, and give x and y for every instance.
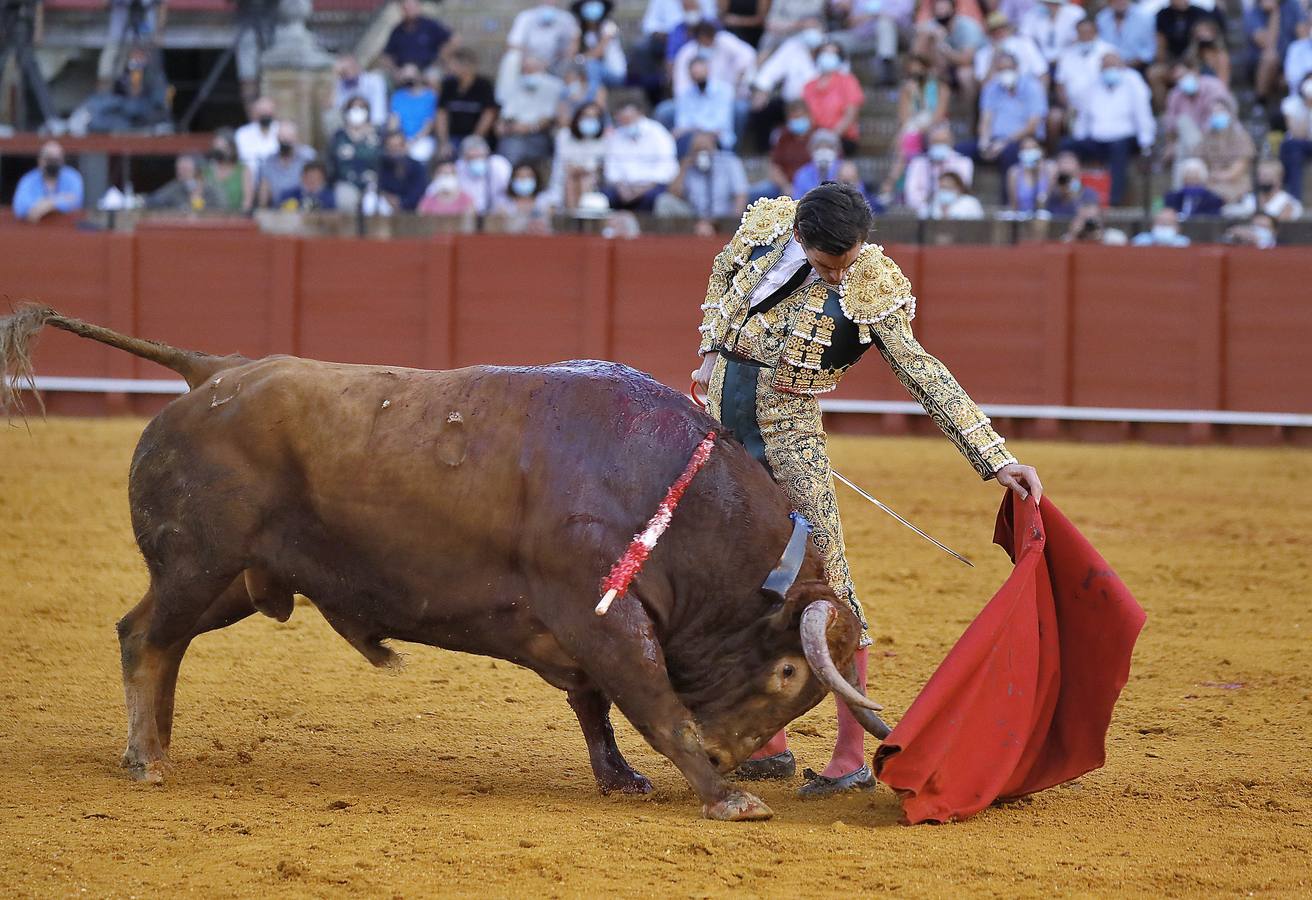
(1065, 104)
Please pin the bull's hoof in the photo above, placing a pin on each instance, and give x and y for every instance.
(629, 782)
(739, 806)
(147, 772)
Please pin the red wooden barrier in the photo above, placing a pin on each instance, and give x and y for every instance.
(1204, 328)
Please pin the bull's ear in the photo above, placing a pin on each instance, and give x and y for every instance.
(788, 612)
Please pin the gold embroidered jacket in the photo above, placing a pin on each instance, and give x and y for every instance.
(814, 336)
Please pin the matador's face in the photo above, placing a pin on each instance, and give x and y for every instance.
(830, 267)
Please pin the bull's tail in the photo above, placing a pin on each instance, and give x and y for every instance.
(19, 331)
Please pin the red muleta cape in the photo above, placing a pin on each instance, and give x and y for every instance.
(1023, 700)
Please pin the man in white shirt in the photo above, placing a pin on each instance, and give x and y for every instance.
(788, 69)
(639, 160)
(257, 140)
(352, 82)
(1113, 119)
(1078, 65)
(1003, 39)
(732, 60)
(1051, 25)
(529, 99)
(662, 15)
(546, 32)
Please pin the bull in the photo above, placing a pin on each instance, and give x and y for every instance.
(476, 510)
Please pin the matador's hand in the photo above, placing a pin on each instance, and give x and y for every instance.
(702, 375)
(1024, 480)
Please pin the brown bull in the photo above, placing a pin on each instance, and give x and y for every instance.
(476, 510)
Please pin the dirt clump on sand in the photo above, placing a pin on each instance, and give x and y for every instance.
(302, 771)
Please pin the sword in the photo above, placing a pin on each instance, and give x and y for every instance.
(933, 540)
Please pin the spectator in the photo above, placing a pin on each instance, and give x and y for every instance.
(1228, 151)
(312, 193)
(825, 146)
(1012, 106)
(1188, 106)
(52, 187)
(729, 59)
(1174, 25)
(1296, 148)
(1088, 228)
(953, 200)
(1298, 61)
(445, 196)
(1193, 197)
(401, 178)
(872, 26)
(600, 47)
(579, 91)
(1259, 232)
(663, 16)
(1050, 24)
(1078, 65)
(523, 209)
(417, 41)
(1271, 26)
(466, 104)
(186, 192)
(848, 173)
(414, 106)
(790, 150)
(786, 18)
(530, 99)
(705, 105)
(233, 181)
(682, 33)
(922, 103)
(1269, 197)
(779, 80)
(1031, 180)
(1164, 233)
(132, 23)
(744, 19)
(956, 39)
(352, 82)
(1069, 193)
(353, 155)
(1023, 51)
(1128, 27)
(483, 175)
(1113, 120)
(640, 160)
(258, 138)
(281, 172)
(1210, 48)
(139, 98)
(923, 171)
(711, 184)
(834, 97)
(580, 149)
(546, 32)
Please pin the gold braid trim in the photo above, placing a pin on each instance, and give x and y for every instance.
(872, 290)
(933, 386)
(714, 325)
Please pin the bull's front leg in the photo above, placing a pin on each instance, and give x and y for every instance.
(609, 767)
(622, 657)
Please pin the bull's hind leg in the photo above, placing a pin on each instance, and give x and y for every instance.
(609, 767)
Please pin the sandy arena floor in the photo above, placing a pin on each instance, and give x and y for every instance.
(301, 771)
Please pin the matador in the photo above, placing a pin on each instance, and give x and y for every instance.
(794, 300)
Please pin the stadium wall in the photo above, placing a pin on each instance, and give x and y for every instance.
(1058, 340)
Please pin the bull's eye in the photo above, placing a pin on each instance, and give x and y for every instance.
(789, 670)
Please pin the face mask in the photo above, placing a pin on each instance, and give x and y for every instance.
(947, 196)
(633, 130)
(703, 161)
(265, 121)
(285, 149)
(593, 10)
(799, 125)
(1008, 78)
(350, 83)
(589, 127)
(51, 167)
(828, 61)
(446, 184)
(872, 7)
(1219, 121)
(1306, 91)
(531, 80)
(547, 17)
(1164, 234)
(1263, 236)
(1030, 156)
(824, 157)
(477, 167)
(357, 116)
(938, 152)
(523, 187)
(812, 37)
(700, 83)
(1266, 187)
(1076, 185)
(1189, 84)
(1111, 77)
(691, 18)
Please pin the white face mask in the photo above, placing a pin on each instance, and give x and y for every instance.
(947, 196)
(446, 184)
(703, 161)
(824, 157)
(1164, 234)
(1008, 78)
(357, 116)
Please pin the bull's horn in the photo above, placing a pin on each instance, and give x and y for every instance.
(815, 644)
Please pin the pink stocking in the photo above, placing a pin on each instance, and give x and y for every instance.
(849, 748)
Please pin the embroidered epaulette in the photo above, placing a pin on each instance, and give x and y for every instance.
(873, 289)
(763, 223)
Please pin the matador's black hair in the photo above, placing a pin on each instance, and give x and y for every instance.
(833, 218)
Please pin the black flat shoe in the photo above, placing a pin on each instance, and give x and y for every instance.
(819, 786)
(781, 765)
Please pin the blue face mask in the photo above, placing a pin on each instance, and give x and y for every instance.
(829, 61)
(938, 152)
(593, 10)
(1030, 156)
(477, 167)
(523, 187)
(1189, 84)
(1219, 121)
(1111, 77)
(799, 125)
(589, 127)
